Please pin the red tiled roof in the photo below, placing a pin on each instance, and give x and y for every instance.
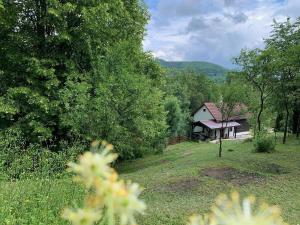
(238, 111)
(214, 110)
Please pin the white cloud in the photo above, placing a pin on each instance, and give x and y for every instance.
(212, 30)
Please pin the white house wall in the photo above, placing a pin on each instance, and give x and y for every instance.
(198, 129)
(217, 134)
(231, 133)
(202, 114)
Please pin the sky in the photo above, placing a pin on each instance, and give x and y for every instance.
(212, 30)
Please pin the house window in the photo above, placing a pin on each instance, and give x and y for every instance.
(204, 110)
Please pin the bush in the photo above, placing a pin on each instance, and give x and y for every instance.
(264, 143)
(19, 160)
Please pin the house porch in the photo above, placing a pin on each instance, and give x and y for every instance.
(203, 130)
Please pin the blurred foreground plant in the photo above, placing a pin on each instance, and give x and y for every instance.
(110, 200)
(234, 211)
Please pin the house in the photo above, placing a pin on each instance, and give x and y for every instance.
(207, 123)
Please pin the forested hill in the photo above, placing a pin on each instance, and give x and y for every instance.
(210, 69)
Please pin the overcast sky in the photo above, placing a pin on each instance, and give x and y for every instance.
(212, 30)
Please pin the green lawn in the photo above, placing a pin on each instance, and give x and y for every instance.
(175, 184)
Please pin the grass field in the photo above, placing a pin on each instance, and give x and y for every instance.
(184, 180)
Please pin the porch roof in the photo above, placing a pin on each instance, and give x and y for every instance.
(214, 125)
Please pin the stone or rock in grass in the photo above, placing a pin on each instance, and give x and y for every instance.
(180, 186)
(232, 175)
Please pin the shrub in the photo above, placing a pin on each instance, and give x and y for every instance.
(18, 159)
(264, 143)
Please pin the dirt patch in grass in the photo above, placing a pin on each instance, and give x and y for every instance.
(232, 175)
(164, 161)
(272, 168)
(181, 186)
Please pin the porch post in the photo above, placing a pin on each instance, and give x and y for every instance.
(192, 130)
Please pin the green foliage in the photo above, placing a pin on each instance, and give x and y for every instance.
(273, 74)
(21, 161)
(264, 143)
(81, 74)
(125, 108)
(214, 71)
(176, 119)
(191, 89)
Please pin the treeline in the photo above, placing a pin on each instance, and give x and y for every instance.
(271, 79)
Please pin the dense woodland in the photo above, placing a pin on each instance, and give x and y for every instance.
(75, 71)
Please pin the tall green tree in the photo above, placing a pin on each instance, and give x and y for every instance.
(126, 109)
(284, 42)
(190, 88)
(257, 69)
(177, 120)
(62, 78)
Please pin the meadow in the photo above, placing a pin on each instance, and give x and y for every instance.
(182, 181)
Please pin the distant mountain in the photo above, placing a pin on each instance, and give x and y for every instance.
(210, 69)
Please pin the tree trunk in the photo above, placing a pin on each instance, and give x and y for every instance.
(285, 128)
(220, 137)
(298, 128)
(260, 112)
(277, 121)
(296, 117)
(220, 144)
(286, 123)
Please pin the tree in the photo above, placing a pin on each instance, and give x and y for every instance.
(176, 119)
(62, 79)
(257, 68)
(284, 42)
(190, 88)
(230, 98)
(126, 109)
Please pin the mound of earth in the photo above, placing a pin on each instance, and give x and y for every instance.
(232, 175)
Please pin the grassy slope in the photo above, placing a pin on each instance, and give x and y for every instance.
(174, 185)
